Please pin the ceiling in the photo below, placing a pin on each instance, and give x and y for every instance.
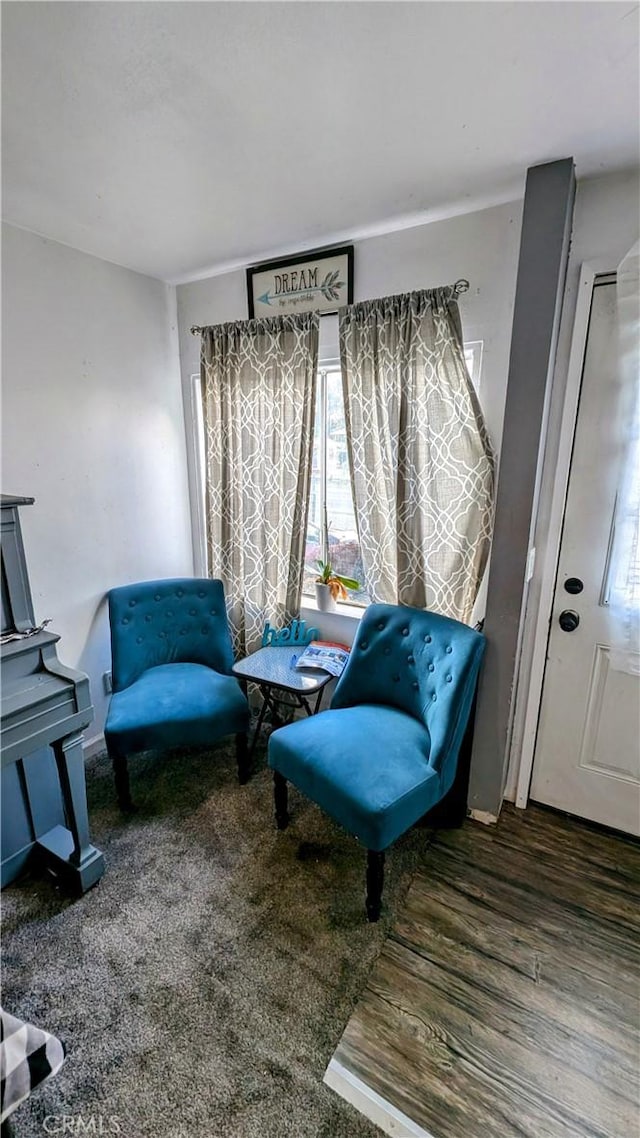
(182, 139)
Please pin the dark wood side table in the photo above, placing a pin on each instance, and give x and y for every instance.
(281, 684)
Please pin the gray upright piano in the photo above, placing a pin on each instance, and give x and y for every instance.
(45, 707)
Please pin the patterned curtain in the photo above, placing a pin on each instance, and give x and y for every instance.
(258, 394)
(421, 463)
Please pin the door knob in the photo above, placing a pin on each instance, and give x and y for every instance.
(568, 620)
(573, 585)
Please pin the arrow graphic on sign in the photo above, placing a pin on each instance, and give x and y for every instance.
(329, 289)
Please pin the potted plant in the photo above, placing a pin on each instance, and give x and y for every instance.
(330, 586)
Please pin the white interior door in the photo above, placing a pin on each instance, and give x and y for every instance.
(587, 758)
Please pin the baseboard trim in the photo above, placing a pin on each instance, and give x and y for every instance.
(370, 1104)
(484, 816)
(94, 746)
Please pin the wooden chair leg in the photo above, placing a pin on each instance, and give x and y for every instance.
(242, 757)
(280, 798)
(121, 776)
(375, 881)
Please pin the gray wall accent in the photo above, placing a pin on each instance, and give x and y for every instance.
(544, 251)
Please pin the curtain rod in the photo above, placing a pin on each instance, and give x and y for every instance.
(459, 287)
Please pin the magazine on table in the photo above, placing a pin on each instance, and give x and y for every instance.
(325, 654)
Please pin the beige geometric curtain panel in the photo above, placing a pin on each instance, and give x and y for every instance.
(258, 394)
(421, 463)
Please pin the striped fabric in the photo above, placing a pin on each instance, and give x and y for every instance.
(28, 1056)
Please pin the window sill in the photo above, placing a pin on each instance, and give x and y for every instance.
(339, 625)
(353, 612)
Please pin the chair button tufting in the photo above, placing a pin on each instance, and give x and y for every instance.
(449, 649)
(405, 631)
(192, 612)
(183, 632)
(432, 667)
(148, 618)
(364, 644)
(449, 678)
(380, 626)
(200, 592)
(168, 614)
(427, 640)
(387, 651)
(139, 639)
(213, 612)
(132, 604)
(179, 592)
(125, 620)
(410, 660)
(205, 630)
(434, 697)
(157, 597)
(396, 679)
(415, 685)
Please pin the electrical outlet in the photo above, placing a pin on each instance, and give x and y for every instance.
(108, 685)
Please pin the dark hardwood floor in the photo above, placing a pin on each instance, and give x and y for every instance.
(505, 1002)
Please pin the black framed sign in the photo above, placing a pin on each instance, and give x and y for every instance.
(310, 282)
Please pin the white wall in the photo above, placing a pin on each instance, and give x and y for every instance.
(480, 246)
(93, 429)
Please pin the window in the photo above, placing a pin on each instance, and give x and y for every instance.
(473, 360)
(331, 482)
(331, 486)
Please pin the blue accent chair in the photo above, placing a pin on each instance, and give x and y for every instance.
(171, 673)
(386, 752)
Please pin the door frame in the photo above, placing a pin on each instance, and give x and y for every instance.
(539, 622)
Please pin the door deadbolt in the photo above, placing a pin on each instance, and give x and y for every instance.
(573, 585)
(568, 620)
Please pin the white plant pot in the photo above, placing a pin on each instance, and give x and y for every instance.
(324, 598)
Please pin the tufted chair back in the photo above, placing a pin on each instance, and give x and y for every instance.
(420, 662)
(178, 621)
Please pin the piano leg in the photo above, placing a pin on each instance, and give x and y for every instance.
(85, 864)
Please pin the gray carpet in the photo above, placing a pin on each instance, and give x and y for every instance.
(202, 986)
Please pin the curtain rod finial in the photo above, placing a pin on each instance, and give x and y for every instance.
(196, 330)
(461, 286)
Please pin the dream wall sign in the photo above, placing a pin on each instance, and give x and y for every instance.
(316, 282)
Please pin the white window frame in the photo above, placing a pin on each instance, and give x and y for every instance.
(323, 371)
(473, 357)
(194, 431)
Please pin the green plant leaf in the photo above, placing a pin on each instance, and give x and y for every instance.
(348, 582)
(325, 571)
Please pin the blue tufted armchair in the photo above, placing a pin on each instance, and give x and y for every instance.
(386, 752)
(171, 673)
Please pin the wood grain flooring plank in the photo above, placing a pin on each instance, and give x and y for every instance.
(522, 992)
(565, 842)
(580, 892)
(542, 1035)
(505, 1002)
(570, 837)
(459, 918)
(505, 887)
(425, 1069)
